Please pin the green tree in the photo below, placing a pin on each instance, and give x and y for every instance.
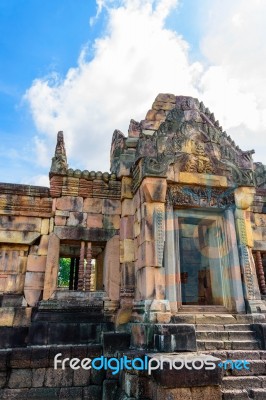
(64, 271)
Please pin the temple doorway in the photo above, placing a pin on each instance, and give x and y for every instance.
(203, 257)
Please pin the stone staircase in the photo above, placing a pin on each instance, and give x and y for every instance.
(235, 340)
(245, 384)
(226, 337)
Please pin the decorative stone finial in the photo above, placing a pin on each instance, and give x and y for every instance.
(59, 161)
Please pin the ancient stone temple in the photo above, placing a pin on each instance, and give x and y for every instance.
(163, 256)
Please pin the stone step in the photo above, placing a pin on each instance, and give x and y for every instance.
(243, 394)
(226, 335)
(209, 327)
(228, 345)
(235, 394)
(238, 354)
(255, 368)
(197, 309)
(217, 319)
(237, 327)
(257, 394)
(213, 319)
(241, 382)
(216, 327)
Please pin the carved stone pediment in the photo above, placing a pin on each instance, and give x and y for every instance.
(185, 133)
(198, 196)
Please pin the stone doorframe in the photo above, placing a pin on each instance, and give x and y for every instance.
(111, 269)
(233, 298)
(158, 289)
(52, 266)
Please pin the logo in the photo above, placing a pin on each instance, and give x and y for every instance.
(236, 364)
(148, 363)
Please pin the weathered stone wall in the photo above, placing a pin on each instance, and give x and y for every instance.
(81, 207)
(25, 224)
(86, 218)
(258, 220)
(29, 374)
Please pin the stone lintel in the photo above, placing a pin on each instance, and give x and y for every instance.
(18, 237)
(19, 223)
(259, 245)
(40, 213)
(202, 179)
(87, 234)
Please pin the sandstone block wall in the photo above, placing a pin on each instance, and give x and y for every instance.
(29, 374)
(25, 214)
(79, 206)
(258, 220)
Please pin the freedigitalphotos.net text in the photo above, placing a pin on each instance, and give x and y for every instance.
(146, 363)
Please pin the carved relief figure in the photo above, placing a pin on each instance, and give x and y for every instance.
(59, 161)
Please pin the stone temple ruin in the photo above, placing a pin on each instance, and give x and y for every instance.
(165, 255)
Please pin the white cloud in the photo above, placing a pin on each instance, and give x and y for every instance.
(139, 58)
(42, 152)
(234, 85)
(37, 180)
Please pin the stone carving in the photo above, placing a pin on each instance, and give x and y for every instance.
(152, 166)
(244, 256)
(117, 148)
(147, 167)
(134, 128)
(260, 174)
(159, 234)
(146, 146)
(117, 143)
(59, 161)
(198, 161)
(199, 164)
(260, 271)
(136, 177)
(199, 196)
(189, 136)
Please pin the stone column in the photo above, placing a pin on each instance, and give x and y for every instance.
(52, 266)
(127, 252)
(172, 267)
(260, 272)
(111, 276)
(234, 273)
(243, 199)
(81, 273)
(88, 268)
(150, 273)
(71, 274)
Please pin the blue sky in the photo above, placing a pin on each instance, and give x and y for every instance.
(63, 68)
(36, 38)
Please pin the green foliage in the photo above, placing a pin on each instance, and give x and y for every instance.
(64, 271)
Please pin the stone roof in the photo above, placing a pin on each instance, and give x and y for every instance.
(180, 131)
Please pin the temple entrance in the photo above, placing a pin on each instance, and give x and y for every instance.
(203, 257)
(69, 266)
